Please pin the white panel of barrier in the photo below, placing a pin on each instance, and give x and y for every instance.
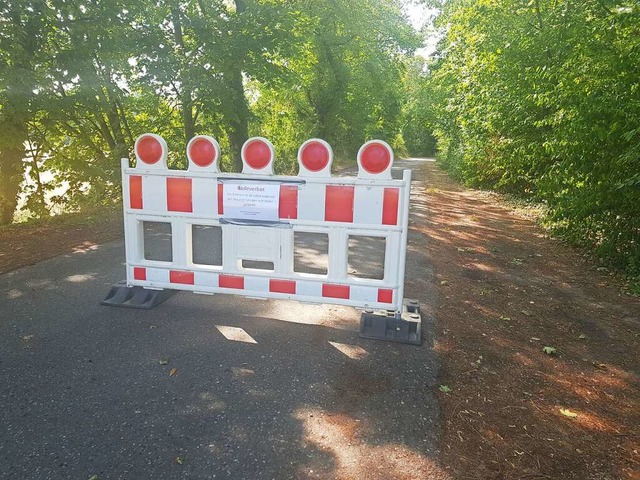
(259, 215)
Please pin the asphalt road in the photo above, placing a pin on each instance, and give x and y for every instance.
(260, 390)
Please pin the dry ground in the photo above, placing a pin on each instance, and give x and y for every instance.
(506, 292)
(29, 243)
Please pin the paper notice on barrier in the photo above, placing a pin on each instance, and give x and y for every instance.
(245, 201)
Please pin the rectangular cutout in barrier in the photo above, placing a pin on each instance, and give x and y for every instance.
(158, 238)
(310, 252)
(257, 265)
(206, 245)
(366, 256)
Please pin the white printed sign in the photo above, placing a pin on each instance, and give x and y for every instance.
(247, 201)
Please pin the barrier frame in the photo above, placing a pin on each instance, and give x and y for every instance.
(386, 295)
(134, 241)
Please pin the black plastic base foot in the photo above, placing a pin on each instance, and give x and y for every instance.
(387, 325)
(135, 297)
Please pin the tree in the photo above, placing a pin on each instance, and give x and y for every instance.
(22, 36)
(199, 55)
(86, 78)
(418, 116)
(538, 99)
(345, 80)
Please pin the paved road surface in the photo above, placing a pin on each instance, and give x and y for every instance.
(262, 389)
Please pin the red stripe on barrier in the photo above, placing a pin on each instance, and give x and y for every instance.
(385, 295)
(282, 286)
(390, 206)
(231, 281)
(288, 207)
(335, 291)
(179, 195)
(338, 204)
(135, 191)
(220, 196)
(139, 273)
(186, 278)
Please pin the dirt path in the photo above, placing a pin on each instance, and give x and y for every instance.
(28, 244)
(505, 293)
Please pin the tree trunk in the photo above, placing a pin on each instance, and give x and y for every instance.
(186, 99)
(16, 106)
(11, 169)
(187, 115)
(332, 90)
(238, 121)
(238, 124)
(39, 193)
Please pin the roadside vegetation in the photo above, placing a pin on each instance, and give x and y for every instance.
(81, 79)
(540, 99)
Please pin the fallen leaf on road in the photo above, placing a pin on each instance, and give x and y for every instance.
(568, 413)
(173, 371)
(179, 460)
(163, 361)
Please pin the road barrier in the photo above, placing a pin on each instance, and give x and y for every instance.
(250, 233)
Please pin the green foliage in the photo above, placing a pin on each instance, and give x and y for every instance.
(22, 36)
(418, 116)
(539, 98)
(81, 80)
(344, 81)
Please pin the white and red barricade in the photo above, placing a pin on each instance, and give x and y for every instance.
(263, 228)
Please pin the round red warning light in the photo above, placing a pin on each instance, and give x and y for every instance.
(314, 156)
(375, 158)
(257, 154)
(202, 152)
(149, 150)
